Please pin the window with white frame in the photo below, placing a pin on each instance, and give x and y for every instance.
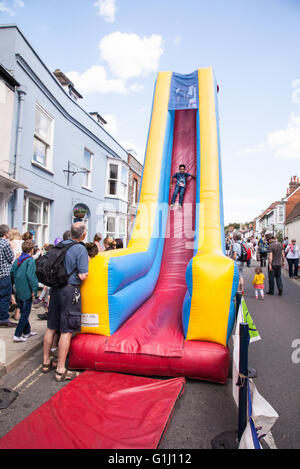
(117, 180)
(42, 141)
(87, 168)
(36, 213)
(280, 214)
(113, 171)
(134, 191)
(116, 226)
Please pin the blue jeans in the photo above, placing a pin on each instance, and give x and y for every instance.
(181, 191)
(295, 263)
(23, 326)
(5, 294)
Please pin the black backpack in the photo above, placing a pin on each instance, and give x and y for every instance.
(50, 269)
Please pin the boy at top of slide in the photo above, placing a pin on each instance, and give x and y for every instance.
(180, 184)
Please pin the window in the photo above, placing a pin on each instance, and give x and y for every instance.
(280, 214)
(124, 182)
(134, 191)
(42, 138)
(116, 226)
(113, 179)
(117, 181)
(36, 218)
(111, 227)
(87, 168)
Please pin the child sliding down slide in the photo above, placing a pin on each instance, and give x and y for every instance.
(180, 185)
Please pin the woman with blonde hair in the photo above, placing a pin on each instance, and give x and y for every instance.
(16, 242)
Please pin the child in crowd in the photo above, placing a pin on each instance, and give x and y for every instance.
(180, 187)
(258, 283)
(92, 249)
(109, 244)
(119, 243)
(23, 274)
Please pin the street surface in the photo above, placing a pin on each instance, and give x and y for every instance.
(207, 409)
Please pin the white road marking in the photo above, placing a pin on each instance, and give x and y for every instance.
(27, 378)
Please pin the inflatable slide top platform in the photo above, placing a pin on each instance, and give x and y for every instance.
(165, 304)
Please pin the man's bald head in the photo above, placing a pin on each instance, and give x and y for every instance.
(78, 231)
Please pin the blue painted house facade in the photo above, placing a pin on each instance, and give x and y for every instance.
(55, 157)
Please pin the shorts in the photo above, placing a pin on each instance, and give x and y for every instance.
(240, 266)
(64, 315)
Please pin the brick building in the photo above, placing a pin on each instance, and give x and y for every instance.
(292, 196)
(135, 177)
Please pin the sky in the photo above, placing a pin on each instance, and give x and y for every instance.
(113, 49)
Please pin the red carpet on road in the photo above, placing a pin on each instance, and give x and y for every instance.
(100, 411)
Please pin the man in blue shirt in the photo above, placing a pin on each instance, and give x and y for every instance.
(64, 314)
(180, 187)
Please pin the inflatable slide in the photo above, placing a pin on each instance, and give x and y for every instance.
(164, 306)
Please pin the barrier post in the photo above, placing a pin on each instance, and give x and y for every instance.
(231, 439)
(243, 378)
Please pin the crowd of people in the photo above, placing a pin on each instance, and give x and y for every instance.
(20, 288)
(270, 253)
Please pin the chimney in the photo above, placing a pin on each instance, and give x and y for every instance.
(293, 185)
(67, 84)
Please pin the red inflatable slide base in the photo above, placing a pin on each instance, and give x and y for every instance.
(206, 361)
(100, 411)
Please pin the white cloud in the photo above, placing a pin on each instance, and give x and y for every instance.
(112, 124)
(282, 143)
(107, 9)
(128, 145)
(251, 150)
(5, 9)
(286, 142)
(95, 80)
(129, 55)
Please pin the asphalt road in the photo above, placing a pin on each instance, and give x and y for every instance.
(206, 410)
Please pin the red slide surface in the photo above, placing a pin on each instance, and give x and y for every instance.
(156, 327)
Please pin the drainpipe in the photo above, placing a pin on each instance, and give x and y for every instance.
(22, 91)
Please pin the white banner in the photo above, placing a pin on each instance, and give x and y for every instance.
(262, 414)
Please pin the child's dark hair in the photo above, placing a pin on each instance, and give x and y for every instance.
(119, 243)
(27, 246)
(182, 166)
(91, 249)
(258, 270)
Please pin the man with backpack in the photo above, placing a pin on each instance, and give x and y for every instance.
(241, 254)
(63, 269)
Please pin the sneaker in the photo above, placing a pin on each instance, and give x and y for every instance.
(19, 339)
(37, 301)
(44, 304)
(8, 324)
(26, 336)
(43, 316)
(280, 292)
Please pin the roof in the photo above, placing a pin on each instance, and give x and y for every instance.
(292, 193)
(294, 213)
(269, 209)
